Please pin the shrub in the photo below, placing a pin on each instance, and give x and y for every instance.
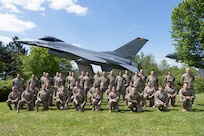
(5, 88)
(199, 85)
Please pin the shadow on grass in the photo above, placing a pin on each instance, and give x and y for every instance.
(200, 104)
(198, 110)
(174, 109)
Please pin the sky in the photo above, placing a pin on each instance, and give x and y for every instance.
(100, 25)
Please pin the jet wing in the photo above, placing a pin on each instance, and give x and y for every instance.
(90, 57)
(130, 67)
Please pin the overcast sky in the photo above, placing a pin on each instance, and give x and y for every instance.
(100, 25)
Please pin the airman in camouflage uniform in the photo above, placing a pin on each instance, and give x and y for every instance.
(153, 79)
(127, 78)
(42, 97)
(19, 83)
(35, 92)
(50, 92)
(71, 82)
(67, 79)
(62, 98)
(55, 82)
(103, 80)
(144, 78)
(128, 90)
(137, 82)
(188, 78)
(96, 100)
(33, 81)
(92, 90)
(79, 100)
(113, 100)
(108, 92)
(171, 92)
(161, 99)
(13, 98)
(88, 82)
(26, 98)
(47, 79)
(42, 79)
(96, 78)
(120, 87)
(81, 79)
(134, 100)
(76, 88)
(149, 92)
(186, 97)
(170, 78)
(111, 79)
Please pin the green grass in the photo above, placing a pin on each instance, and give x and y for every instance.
(69, 122)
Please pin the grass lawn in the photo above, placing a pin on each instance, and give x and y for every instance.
(70, 122)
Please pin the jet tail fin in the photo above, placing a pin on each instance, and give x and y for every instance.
(130, 49)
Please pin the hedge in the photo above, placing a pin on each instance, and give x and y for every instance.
(5, 89)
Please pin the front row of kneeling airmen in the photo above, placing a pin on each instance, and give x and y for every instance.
(134, 100)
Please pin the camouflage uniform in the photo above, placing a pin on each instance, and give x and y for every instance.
(55, 82)
(79, 100)
(26, 98)
(13, 98)
(62, 98)
(71, 81)
(81, 79)
(67, 79)
(33, 81)
(120, 87)
(134, 101)
(42, 79)
(103, 82)
(107, 93)
(186, 97)
(88, 82)
(170, 78)
(127, 79)
(137, 82)
(34, 90)
(188, 78)
(96, 100)
(47, 79)
(127, 91)
(171, 92)
(42, 97)
(92, 90)
(96, 78)
(153, 80)
(149, 93)
(50, 92)
(75, 88)
(161, 100)
(19, 83)
(111, 79)
(113, 100)
(144, 78)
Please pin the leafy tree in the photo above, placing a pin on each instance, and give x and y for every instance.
(11, 57)
(64, 66)
(39, 60)
(188, 31)
(164, 66)
(146, 62)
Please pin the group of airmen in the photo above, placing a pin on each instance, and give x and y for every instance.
(136, 91)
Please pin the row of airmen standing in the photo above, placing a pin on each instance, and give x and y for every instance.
(78, 89)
